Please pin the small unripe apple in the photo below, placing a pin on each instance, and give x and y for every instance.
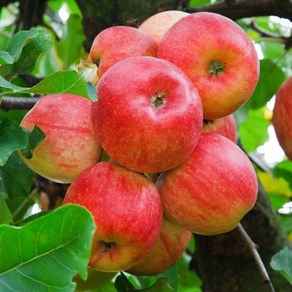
(158, 24)
(225, 126)
(70, 145)
(127, 212)
(211, 192)
(171, 244)
(148, 116)
(219, 58)
(282, 120)
(117, 43)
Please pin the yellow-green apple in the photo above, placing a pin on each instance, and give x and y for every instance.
(148, 116)
(158, 24)
(211, 192)
(225, 126)
(117, 43)
(282, 120)
(219, 58)
(127, 212)
(170, 246)
(70, 145)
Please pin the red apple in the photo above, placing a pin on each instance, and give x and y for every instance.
(225, 126)
(219, 58)
(158, 24)
(70, 145)
(117, 43)
(127, 211)
(211, 192)
(148, 116)
(282, 120)
(171, 244)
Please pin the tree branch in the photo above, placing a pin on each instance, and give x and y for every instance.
(253, 250)
(17, 103)
(248, 8)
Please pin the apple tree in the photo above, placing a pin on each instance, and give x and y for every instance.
(45, 245)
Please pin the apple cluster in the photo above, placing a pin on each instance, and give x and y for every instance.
(154, 159)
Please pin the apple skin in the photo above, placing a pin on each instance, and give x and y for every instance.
(158, 24)
(225, 126)
(218, 57)
(281, 120)
(211, 192)
(170, 246)
(116, 43)
(127, 211)
(70, 145)
(148, 119)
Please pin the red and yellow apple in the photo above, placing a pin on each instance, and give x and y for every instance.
(70, 145)
(158, 24)
(127, 212)
(211, 192)
(117, 43)
(148, 116)
(170, 246)
(225, 126)
(282, 120)
(219, 58)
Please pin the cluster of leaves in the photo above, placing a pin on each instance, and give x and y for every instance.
(55, 245)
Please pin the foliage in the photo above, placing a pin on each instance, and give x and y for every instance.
(50, 54)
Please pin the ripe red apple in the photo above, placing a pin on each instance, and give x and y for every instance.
(225, 126)
(212, 190)
(70, 145)
(117, 43)
(282, 120)
(148, 116)
(158, 24)
(171, 244)
(219, 58)
(127, 211)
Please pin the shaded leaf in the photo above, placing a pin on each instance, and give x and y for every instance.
(282, 262)
(50, 251)
(161, 285)
(122, 284)
(271, 77)
(5, 215)
(12, 138)
(284, 169)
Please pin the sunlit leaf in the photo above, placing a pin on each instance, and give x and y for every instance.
(5, 215)
(282, 262)
(50, 250)
(284, 169)
(12, 138)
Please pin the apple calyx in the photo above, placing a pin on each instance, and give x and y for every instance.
(107, 245)
(158, 99)
(207, 121)
(216, 68)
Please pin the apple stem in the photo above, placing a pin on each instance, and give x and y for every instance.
(157, 100)
(216, 68)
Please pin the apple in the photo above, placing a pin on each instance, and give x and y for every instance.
(116, 43)
(158, 24)
(219, 58)
(148, 116)
(225, 126)
(211, 192)
(127, 212)
(170, 246)
(281, 120)
(70, 145)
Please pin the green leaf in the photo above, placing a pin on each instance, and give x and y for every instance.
(122, 284)
(282, 262)
(12, 138)
(6, 58)
(34, 138)
(271, 77)
(161, 285)
(70, 46)
(17, 178)
(5, 215)
(47, 252)
(284, 169)
(253, 132)
(25, 48)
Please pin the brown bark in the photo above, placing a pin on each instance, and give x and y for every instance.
(224, 262)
